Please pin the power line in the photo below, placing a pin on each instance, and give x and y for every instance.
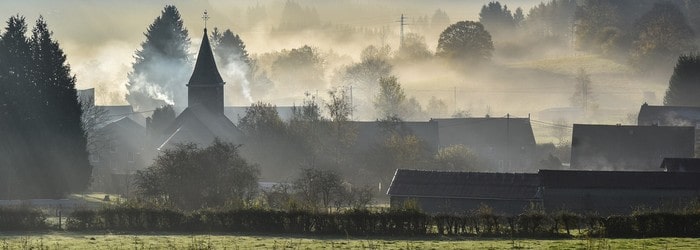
(131, 113)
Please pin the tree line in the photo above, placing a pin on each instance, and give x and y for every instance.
(646, 34)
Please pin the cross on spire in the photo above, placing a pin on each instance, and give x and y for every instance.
(205, 17)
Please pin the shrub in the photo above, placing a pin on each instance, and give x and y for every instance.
(21, 218)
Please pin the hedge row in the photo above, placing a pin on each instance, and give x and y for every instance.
(354, 222)
(653, 224)
(359, 222)
(20, 218)
(362, 222)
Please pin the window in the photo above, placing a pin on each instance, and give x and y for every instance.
(112, 147)
(94, 157)
(130, 157)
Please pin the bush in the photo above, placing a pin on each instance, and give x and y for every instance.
(21, 218)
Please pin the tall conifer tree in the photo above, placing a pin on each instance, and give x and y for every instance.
(15, 111)
(229, 47)
(62, 138)
(162, 65)
(43, 146)
(684, 85)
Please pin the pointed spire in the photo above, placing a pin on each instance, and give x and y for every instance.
(205, 71)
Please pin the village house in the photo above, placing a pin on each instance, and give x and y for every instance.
(119, 146)
(682, 116)
(668, 115)
(505, 142)
(123, 149)
(618, 147)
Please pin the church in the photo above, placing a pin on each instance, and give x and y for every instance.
(203, 120)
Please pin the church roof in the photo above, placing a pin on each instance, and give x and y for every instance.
(205, 71)
(200, 126)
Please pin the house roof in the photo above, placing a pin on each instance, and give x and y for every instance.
(681, 164)
(486, 132)
(198, 125)
(116, 112)
(668, 115)
(125, 123)
(205, 71)
(473, 185)
(618, 179)
(235, 113)
(373, 132)
(628, 147)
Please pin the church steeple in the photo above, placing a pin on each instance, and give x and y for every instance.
(206, 87)
(205, 71)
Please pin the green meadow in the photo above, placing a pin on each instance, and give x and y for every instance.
(62, 240)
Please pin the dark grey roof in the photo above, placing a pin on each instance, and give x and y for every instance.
(618, 147)
(235, 113)
(125, 123)
(481, 134)
(681, 164)
(198, 125)
(205, 71)
(618, 179)
(370, 133)
(116, 112)
(449, 184)
(668, 115)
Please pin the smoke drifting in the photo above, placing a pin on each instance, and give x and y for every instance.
(235, 73)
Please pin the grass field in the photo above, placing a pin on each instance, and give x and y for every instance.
(173, 241)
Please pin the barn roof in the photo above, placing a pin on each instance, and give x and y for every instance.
(618, 179)
(205, 71)
(628, 147)
(668, 115)
(681, 164)
(473, 185)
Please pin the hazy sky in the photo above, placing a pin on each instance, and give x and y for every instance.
(100, 37)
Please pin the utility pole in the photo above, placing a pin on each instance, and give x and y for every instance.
(403, 23)
(352, 105)
(508, 140)
(455, 99)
